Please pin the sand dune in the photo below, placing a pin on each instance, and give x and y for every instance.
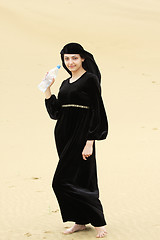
(124, 37)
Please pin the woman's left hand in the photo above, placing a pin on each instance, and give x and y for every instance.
(88, 149)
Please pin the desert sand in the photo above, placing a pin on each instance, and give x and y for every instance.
(124, 38)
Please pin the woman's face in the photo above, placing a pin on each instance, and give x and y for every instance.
(73, 62)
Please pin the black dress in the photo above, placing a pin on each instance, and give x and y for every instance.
(81, 116)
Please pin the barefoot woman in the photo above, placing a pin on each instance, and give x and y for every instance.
(81, 119)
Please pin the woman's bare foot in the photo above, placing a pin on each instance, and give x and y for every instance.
(101, 232)
(75, 228)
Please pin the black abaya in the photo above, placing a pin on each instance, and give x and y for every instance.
(81, 116)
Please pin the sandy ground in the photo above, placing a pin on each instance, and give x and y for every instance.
(124, 37)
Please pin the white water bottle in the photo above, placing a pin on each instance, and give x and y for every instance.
(48, 78)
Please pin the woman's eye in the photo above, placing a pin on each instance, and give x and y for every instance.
(66, 59)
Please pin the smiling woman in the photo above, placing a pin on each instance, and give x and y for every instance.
(81, 119)
(74, 64)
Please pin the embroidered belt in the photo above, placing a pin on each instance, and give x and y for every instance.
(74, 105)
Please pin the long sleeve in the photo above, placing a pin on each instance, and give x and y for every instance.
(53, 105)
(98, 128)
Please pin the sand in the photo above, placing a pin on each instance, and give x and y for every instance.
(124, 37)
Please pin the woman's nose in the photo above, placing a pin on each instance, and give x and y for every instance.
(70, 61)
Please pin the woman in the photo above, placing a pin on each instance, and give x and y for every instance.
(81, 119)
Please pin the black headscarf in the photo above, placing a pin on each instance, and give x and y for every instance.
(88, 64)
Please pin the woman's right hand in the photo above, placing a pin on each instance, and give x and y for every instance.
(53, 80)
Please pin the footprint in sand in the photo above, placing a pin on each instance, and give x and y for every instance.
(146, 74)
(12, 186)
(28, 234)
(48, 232)
(35, 178)
(55, 211)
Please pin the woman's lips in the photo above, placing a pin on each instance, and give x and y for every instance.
(71, 66)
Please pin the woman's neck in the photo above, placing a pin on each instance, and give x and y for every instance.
(77, 74)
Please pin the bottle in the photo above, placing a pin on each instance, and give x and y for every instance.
(48, 78)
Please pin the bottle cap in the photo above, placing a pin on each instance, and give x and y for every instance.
(58, 66)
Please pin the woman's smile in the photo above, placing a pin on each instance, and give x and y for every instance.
(71, 66)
